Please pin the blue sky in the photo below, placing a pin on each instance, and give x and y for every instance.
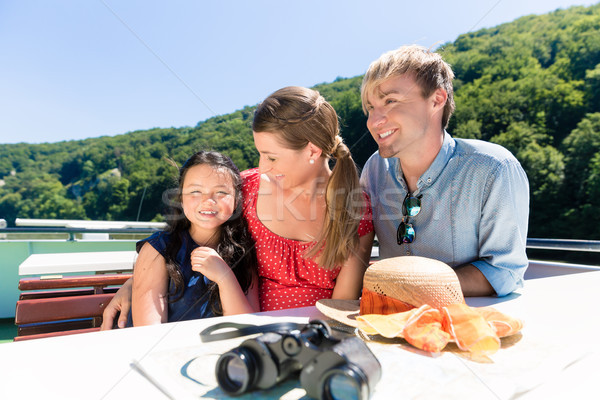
(73, 69)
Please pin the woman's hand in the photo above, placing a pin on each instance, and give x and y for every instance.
(121, 302)
(210, 264)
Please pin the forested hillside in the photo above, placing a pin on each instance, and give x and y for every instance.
(532, 85)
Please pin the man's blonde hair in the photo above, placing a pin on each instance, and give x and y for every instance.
(429, 69)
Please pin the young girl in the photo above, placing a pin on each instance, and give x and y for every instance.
(311, 223)
(204, 263)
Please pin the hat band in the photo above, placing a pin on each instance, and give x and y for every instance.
(375, 303)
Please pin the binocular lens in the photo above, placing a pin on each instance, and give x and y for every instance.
(345, 384)
(342, 387)
(234, 372)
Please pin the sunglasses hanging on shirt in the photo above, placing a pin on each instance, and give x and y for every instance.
(411, 206)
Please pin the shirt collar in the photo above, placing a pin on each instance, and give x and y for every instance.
(439, 163)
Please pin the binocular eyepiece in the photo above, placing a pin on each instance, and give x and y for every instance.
(329, 368)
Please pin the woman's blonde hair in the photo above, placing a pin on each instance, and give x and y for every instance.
(298, 116)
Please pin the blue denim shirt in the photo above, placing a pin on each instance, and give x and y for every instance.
(474, 209)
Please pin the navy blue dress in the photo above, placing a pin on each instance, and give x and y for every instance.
(194, 303)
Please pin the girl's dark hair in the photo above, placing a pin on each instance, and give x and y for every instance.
(236, 246)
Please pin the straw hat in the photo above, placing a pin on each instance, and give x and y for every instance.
(403, 283)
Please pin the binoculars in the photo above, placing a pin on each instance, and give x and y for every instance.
(329, 368)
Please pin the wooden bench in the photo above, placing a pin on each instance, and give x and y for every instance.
(64, 305)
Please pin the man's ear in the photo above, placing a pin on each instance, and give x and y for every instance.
(439, 98)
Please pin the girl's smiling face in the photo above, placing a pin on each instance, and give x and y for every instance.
(207, 197)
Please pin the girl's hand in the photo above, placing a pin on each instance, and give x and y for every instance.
(210, 264)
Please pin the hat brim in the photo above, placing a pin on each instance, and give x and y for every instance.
(343, 311)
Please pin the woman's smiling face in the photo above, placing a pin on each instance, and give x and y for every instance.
(282, 165)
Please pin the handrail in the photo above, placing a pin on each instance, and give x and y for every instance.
(532, 243)
(79, 230)
(564, 244)
(72, 231)
(87, 224)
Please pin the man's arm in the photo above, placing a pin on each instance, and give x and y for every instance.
(502, 233)
(473, 282)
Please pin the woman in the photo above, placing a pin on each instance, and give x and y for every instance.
(303, 216)
(312, 225)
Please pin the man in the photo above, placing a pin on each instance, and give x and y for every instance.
(464, 202)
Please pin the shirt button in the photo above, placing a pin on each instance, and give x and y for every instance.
(428, 180)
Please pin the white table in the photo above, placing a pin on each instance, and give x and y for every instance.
(62, 263)
(556, 356)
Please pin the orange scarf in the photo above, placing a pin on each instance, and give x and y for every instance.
(474, 329)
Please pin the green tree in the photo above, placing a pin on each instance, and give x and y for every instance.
(580, 147)
(544, 166)
(10, 204)
(532, 85)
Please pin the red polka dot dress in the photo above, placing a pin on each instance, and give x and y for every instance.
(286, 279)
